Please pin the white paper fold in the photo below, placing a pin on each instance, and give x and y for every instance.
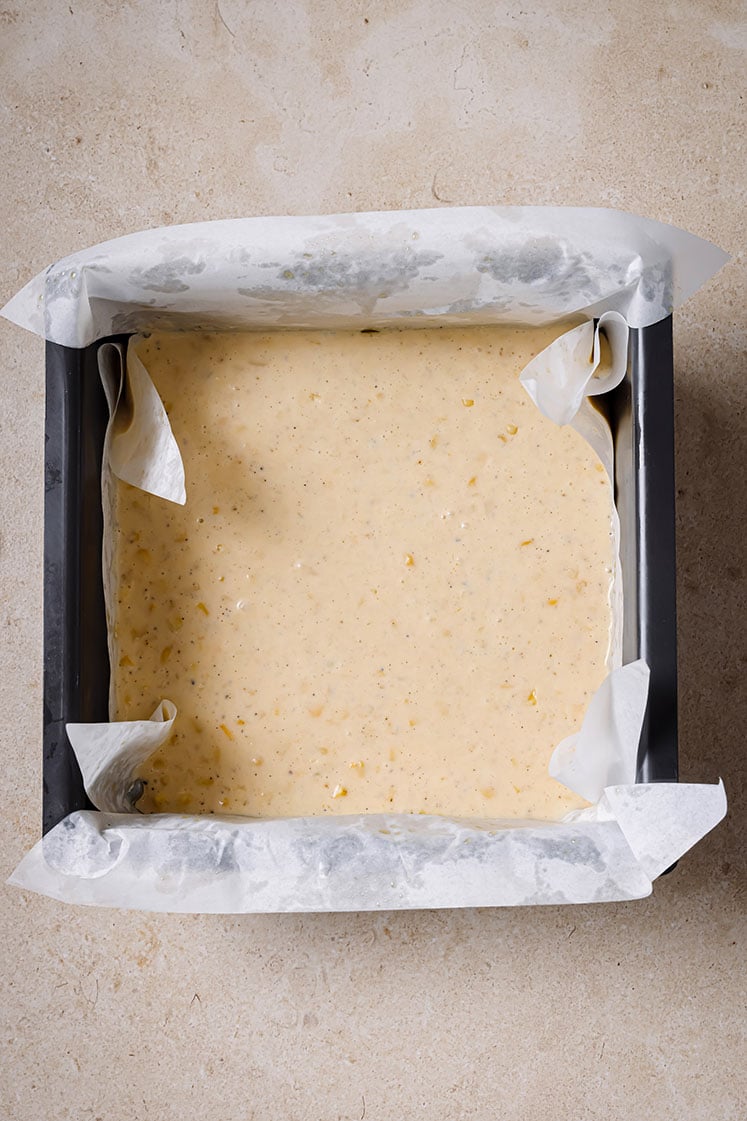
(209, 864)
(141, 449)
(109, 755)
(571, 367)
(411, 268)
(229, 865)
(605, 751)
(461, 264)
(660, 820)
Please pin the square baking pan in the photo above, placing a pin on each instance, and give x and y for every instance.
(76, 661)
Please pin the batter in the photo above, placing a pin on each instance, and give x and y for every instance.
(388, 590)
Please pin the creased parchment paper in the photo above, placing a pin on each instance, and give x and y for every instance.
(415, 268)
(485, 264)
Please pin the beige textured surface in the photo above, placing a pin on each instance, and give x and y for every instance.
(118, 116)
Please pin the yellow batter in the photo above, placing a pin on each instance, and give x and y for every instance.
(388, 589)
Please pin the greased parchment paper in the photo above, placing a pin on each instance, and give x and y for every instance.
(451, 266)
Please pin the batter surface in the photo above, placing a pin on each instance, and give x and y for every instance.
(388, 590)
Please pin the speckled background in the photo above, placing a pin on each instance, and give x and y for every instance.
(117, 116)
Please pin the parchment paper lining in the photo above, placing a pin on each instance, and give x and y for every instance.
(458, 266)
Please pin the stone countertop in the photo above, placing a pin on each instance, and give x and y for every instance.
(121, 116)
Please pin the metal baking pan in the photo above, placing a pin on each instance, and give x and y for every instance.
(76, 661)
